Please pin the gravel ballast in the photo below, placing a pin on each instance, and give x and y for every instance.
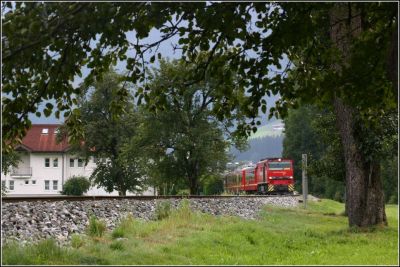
(33, 221)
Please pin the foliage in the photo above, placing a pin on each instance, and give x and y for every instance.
(189, 142)
(107, 130)
(4, 190)
(76, 186)
(115, 175)
(347, 55)
(300, 139)
(96, 228)
(212, 185)
(163, 210)
(318, 236)
(57, 29)
(9, 159)
(390, 167)
(46, 45)
(327, 169)
(311, 130)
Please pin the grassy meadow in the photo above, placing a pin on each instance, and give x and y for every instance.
(282, 236)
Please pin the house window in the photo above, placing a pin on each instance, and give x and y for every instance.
(33, 181)
(55, 185)
(55, 162)
(80, 162)
(71, 162)
(47, 162)
(11, 185)
(27, 182)
(45, 131)
(46, 185)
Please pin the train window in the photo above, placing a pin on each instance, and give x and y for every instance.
(249, 175)
(279, 165)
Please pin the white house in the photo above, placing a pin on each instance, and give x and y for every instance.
(45, 165)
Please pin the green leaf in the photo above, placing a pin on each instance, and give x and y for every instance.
(49, 106)
(264, 109)
(47, 112)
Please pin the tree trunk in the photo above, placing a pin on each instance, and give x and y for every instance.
(365, 204)
(194, 186)
(122, 190)
(193, 177)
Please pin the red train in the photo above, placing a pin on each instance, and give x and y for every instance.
(268, 176)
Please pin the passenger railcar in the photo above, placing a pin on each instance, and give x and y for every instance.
(268, 176)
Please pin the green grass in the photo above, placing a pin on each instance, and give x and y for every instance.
(316, 236)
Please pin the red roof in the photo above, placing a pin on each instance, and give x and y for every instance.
(37, 140)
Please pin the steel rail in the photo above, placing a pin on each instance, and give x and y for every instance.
(6, 199)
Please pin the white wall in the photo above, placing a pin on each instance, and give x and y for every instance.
(61, 173)
(35, 184)
(76, 170)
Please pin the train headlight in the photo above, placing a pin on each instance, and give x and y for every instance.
(291, 177)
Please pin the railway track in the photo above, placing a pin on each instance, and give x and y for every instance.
(7, 199)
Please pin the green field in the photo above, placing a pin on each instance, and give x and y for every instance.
(316, 236)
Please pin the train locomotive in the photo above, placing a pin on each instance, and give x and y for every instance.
(268, 176)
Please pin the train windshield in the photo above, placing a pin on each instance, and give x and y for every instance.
(279, 165)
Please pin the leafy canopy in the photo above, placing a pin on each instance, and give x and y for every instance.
(46, 45)
(184, 141)
(106, 134)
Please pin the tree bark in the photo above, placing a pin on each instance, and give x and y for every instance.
(194, 186)
(365, 204)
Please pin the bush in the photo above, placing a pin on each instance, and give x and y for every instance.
(163, 210)
(96, 228)
(213, 185)
(76, 186)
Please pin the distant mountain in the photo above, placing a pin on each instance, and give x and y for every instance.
(265, 143)
(271, 128)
